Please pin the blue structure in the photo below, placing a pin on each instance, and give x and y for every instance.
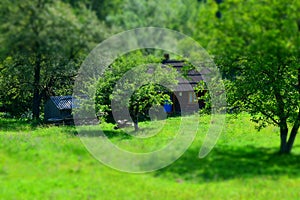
(168, 107)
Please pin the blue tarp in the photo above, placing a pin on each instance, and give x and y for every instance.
(168, 107)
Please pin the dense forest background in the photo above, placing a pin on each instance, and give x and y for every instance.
(43, 42)
(254, 43)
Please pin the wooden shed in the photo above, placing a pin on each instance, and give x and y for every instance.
(58, 109)
(185, 89)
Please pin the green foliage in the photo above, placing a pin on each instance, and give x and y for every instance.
(204, 97)
(174, 14)
(102, 8)
(258, 53)
(43, 47)
(255, 44)
(129, 73)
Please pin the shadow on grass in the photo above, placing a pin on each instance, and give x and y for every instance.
(226, 162)
(98, 132)
(119, 133)
(116, 133)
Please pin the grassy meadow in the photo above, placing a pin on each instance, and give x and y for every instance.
(50, 162)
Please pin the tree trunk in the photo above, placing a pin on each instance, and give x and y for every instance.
(286, 144)
(36, 89)
(135, 117)
(136, 123)
(36, 104)
(293, 134)
(283, 139)
(136, 126)
(291, 140)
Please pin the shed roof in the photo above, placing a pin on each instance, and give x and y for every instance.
(63, 102)
(193, 77)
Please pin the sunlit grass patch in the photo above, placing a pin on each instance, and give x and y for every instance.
(52, 163)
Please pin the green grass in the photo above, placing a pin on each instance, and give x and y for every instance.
(52, 163)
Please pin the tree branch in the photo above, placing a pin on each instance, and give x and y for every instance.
(264, 113)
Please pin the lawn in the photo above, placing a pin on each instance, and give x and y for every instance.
(51, 162)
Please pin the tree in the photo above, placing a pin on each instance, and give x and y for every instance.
(102, 8)
(44, 44)
(173, 14)
(258, 52)
(133, 88)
